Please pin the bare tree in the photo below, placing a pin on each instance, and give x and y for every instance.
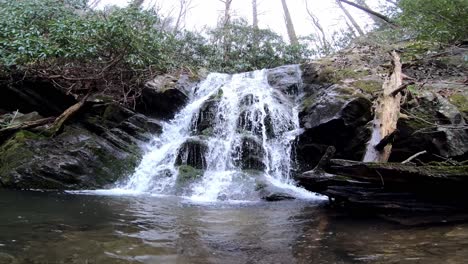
(227, 12)
(350, 17)
(316, 22)
(226, 20)
(184, 7)
(289, 25)
(254, 14)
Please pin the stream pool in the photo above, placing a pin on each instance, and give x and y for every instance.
(44, 227)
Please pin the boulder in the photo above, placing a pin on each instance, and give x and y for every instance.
(286, 79)
(192, 153)
(206, 117)
(430, 122)
(165, 95)
(331, 116)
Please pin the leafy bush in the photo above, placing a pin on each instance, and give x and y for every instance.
(436, 20)
(251, 49)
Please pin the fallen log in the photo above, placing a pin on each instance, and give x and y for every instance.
(384, 187)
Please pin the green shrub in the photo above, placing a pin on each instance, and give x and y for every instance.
(436, 20)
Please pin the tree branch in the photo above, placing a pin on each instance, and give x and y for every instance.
(367, 10)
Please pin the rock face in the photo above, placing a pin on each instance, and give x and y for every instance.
(336, 109)
(101, 146)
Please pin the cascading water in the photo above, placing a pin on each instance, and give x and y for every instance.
(232, 141)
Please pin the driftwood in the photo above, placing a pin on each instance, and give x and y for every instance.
(386, 115)
(66, 115)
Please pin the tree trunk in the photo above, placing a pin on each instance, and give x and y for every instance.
(226, 21)
(184, 6)
(386, 116)
(351, 19)
(254, 14)
(289, 24)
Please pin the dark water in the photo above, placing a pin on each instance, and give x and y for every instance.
(63, 228)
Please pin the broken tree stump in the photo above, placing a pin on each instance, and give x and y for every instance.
(386, 115)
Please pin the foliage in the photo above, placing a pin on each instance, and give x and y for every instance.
(250, 48)
(114, 51)
(435, 20)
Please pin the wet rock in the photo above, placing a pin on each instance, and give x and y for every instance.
(248, 100)
(101, 146)
(192, 153)
(250, 121)
(286, 78)
(271, 193)
(250, 154)
(165, 95)
(206, 116)
(331, 116)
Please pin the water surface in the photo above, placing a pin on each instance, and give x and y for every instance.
(38, 227)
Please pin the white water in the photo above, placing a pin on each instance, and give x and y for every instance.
(247, 110)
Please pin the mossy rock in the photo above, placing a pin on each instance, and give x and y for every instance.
(330, 74)
(368, 86)
(461, 102)
(14, 152)
(188, 174)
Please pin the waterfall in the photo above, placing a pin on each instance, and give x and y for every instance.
(232, 141)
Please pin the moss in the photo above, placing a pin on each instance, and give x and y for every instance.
(207, 132)
(14, 152)
(260, 186)
(368, 86)
(217, 96)
(188, 174)
(460, 101)
(308, 102)
(333, 75)
(114, 113)
(113, 168)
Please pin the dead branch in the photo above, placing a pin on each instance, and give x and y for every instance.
(401, 88)
(66, 115)
(413, 157)
(385, 141)
(7, 131)
(367, 10)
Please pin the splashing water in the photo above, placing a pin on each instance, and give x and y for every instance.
(233, 140)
